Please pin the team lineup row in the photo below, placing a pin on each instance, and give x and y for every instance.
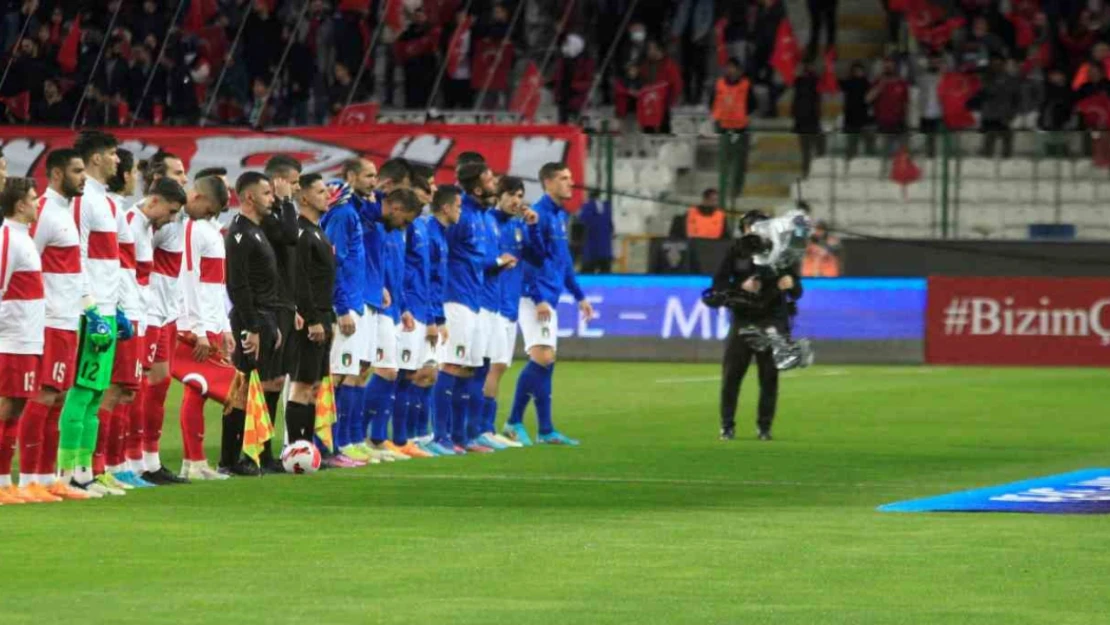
(406, 294)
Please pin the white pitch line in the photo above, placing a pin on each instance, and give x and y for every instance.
(647, 481)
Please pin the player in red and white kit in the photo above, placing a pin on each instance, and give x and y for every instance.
(163, 310)
(58, 242)
(204, 322)
(22, 309)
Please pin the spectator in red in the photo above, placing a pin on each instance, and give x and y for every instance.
(890, 97)
(625, 91)
(574, 73)
(658, 67)
(1096, 84)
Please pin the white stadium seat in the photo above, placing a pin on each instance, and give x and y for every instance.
(1086, 216)
(825, 167)
(677, 154)
(657, 177)
(864, 167)
(1016, 169)
(920, 191)
(975, 217)
(1022, 215)
(1102, 191)
(852, 216)
(684, 125)
(1046, 191)
(912, 214)
(884, 192)
(1077, 191)
(1081, 169)
(977, 169)
(624, 175)
(850, 191)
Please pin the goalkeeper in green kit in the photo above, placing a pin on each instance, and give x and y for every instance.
(102, 323)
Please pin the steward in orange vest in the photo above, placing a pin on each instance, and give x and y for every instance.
(730, 98)
(706, 221)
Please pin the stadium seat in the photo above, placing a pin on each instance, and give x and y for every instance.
(884, 192)
(1081, 169)
(657, 177)
(684, 125)
(912, 215)
(825, 167)
(1022, 215)
(624, 174)
(677, 154)
(976, 219)
(864, 167)
(975, 191)
(1047, 191)
(855, 216)
(850, 190)
(1077, 191)
(1016, 169)
(1086, 217)
(977, 169)
(920, 191)
(812, 190)
(909, 232)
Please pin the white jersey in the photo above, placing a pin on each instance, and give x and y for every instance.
(130, 299)
(203, 279)
(165, 300)
(22, 294)
(58, 242)
(99, 229)
(137, 279)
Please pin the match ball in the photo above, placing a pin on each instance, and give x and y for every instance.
(300, 457)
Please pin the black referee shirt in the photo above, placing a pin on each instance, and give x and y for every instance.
(315, 274)
(280, 228)
(252, 273)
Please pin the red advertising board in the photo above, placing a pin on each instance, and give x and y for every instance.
(516, 150)
(1018, 321)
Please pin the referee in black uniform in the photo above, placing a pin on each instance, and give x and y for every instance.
(315, 280)
(749, 290)
(252, 286)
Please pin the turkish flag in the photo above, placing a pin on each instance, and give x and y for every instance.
(487, 67)
(955, 89)
(19, 105)
(362, 114)
(67, 53)
(200, 11)
(457, 48)
(722, 45)
(828, 82)
(1095, 111)
(903, 170)
(651, 105)
(526, 96)
(937, 36)
(784, 58)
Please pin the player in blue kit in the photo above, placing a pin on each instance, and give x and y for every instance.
(509, 223)
(467, 267)
(351, 348)
(393, 207)
(446, 209)
(543, 284)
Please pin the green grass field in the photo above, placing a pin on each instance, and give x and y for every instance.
(652, 520)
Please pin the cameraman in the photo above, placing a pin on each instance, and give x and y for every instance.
(749, 291)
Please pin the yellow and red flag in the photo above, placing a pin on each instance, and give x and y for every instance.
(325, 412)
(259, 428)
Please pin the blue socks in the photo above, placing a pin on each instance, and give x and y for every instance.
(355, 426)
(476, 422)
(343, 407)
(489, 414)
(534, 383)
(401, 406)
(444, 391)
(379, 407)
(460, 405)
(420, 410)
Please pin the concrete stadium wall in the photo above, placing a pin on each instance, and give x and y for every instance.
(883, 257)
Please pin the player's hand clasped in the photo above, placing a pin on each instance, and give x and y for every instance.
(347, 324)
(316, 333)
(202, 350)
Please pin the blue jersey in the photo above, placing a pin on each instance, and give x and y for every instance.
(466, 256)
(490, 298)
(343, 227)
(418, 272)
(514, 238)
(373, 240)
(544, 282)
(393, 262)
(437, 263)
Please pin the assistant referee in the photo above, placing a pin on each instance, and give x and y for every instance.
(252, 286)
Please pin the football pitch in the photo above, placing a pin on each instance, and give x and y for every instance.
(651, 520)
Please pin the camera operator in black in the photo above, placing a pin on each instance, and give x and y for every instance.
(748, 290)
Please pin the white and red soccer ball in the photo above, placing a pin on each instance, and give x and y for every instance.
(300, 457)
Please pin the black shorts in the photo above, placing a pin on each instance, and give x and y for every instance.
(268, 360)
(312, 359)
(285, 320)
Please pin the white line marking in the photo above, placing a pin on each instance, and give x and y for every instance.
(632, 316)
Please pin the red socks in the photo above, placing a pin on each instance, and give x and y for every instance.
(133, 447)
(9, 428)
(192, 424)
(32, 426)
(155, 414)
(48, 459)
(117, 435)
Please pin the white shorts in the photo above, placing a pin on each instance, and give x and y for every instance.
(348, 351)
(414, 349)
(502, 341)
(462, 325)
(484, 337)
(385, 356)
(536, 333)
